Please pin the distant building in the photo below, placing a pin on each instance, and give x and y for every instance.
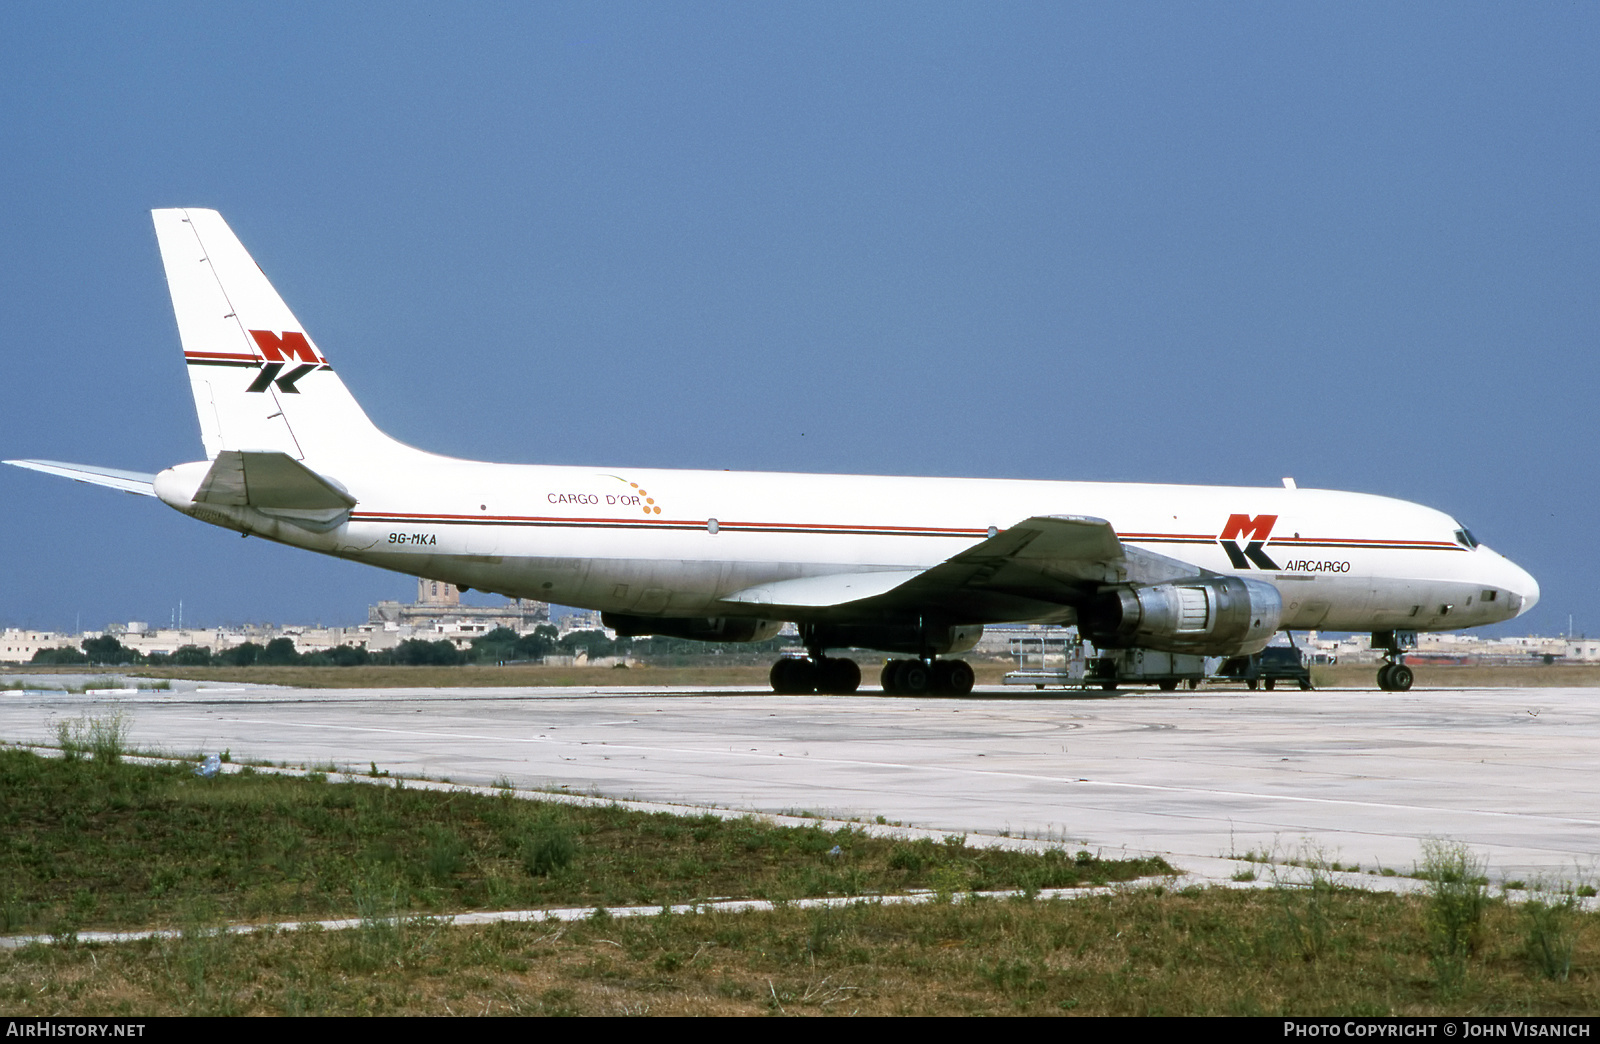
(582, 620)
(18, 645)
(438, 614)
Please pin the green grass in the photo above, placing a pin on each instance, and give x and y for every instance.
(92, 683)
(90, 842)
(1142, 952)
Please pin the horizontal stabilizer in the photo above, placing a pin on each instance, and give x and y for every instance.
(268, 480)
(127, 481)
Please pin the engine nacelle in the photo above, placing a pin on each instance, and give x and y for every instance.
(1211, 616)
(696, 628)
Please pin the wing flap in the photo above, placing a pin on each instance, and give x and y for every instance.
(136, 482)
(817, 592)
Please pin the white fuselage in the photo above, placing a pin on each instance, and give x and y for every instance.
(676, 543)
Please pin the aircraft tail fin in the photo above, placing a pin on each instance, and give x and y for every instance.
(260, 382)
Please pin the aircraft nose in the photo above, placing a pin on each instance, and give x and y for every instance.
(1524, 589)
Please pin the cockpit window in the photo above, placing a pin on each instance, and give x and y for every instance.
(1465, 538)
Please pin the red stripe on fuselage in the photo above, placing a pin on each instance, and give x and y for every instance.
(845, 529)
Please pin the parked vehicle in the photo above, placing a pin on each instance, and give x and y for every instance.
(1267, 667)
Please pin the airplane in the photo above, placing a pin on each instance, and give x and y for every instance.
(909, 566)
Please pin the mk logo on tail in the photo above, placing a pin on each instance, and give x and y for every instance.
(278, 350)
(1256, 531)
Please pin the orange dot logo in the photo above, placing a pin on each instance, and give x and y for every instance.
(641, 499)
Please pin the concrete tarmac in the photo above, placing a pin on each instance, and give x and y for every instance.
(1360, 776)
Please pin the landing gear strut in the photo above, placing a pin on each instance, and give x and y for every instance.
(915, 677)
(1394, 675)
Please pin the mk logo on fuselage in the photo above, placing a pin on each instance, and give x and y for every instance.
(279, 350)
(1255, 532)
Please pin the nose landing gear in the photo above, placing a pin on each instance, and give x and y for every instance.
(1394, 675)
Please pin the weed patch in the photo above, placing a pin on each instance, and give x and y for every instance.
(549, 846)
(1307, 909)
(104, 738)
(1458, 895)
(1551, 923)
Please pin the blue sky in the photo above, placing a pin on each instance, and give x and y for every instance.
(1353, 243)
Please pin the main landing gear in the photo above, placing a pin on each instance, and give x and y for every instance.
(916, 677)
(792, 676)
(1394, 675)
(816, 672)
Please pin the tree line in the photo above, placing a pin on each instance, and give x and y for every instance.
(499, 646)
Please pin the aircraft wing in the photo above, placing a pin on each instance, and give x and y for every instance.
(1033, 569)
(136, 482)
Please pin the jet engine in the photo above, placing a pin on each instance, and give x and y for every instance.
(1210, 616)
(696, 628)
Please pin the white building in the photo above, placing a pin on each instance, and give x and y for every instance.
(18, 645)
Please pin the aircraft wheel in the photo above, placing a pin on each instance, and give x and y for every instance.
(1251, 683)
(953, 676)
(1270, 683)
(839, 676)
(792, 677)
(886, 676)
(913, 678)
(1400, 678)
(1305, 684)
(1109, 686)
(1167, 684)
(1383, 677)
